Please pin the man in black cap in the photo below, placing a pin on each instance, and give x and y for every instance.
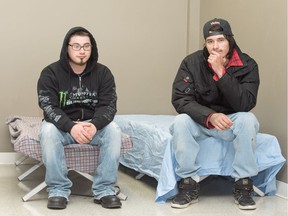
(213, 92)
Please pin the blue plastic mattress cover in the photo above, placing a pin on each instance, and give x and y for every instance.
(152, 154)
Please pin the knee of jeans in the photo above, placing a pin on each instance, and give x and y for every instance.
(48, 129)
(182, 120)
(248, 119)
(50, 138)
(112, 138)
(113, 129)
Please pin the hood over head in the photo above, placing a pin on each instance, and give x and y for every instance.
(64, 55)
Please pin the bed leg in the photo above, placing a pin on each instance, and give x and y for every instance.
(28, 172)
(20, 161)
(258, 191)
(139, 176)
(34, 191)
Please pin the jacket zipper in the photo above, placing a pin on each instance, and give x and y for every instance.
(80, 86)
(80, 81)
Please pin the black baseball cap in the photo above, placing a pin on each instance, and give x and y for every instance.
(217, 21)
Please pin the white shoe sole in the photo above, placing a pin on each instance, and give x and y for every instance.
(174, 205)
(248, 207)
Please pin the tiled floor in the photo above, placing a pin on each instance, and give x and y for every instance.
(215, 198)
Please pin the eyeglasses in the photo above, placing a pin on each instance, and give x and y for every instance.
(77, 47)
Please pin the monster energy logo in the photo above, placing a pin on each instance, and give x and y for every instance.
(62, 99)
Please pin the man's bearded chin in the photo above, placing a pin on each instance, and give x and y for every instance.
(80, 63)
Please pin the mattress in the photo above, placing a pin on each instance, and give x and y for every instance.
(152, 154)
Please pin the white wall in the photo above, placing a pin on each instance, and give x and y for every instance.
(142, 42)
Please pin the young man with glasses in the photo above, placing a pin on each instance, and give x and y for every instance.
(78, 98)
(213, 92)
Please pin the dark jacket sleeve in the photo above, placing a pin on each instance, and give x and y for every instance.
(184, 94)
(106, 108)
(48, 100)
(240, 88)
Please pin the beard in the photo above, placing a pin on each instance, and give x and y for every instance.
(80, 62)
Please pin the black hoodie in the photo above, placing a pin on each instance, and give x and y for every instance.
(65, 96)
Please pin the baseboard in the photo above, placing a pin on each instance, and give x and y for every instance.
(282, 189)
(9, 157)
(12, 157)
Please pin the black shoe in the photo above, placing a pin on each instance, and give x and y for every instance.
(242, 192)
(188, 193)
(57, 202)
(111, 201)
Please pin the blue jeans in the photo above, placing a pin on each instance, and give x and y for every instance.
(242, 134)
(53, 140)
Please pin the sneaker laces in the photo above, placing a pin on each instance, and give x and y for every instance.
(190, 193)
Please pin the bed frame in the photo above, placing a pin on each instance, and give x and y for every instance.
(24, 137)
